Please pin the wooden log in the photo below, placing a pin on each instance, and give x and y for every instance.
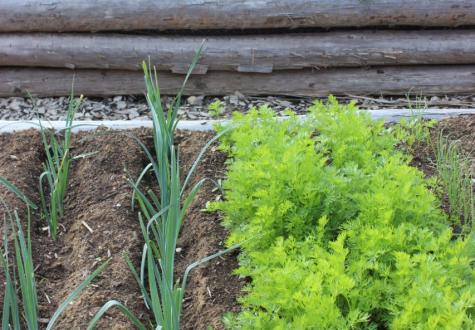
(111, 15)
(428, 80)
(262, 53)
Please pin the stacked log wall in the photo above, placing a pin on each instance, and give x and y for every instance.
(252, 46)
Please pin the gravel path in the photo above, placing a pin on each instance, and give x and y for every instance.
(198, 107)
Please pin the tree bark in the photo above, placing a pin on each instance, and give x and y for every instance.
(125, 15)
(262, 53)
(428, 80)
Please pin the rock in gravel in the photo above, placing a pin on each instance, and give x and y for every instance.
(239, 95)
(132, 113)
(121, 105)
(233, 100)
(285, 104)
(15, 104)
(195, 100)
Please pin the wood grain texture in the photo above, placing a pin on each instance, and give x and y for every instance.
(427, 80)
(261, 53)
(126, 15)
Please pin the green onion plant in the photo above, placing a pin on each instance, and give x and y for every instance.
(54, 179)
(20, 299)
(162, 215)
(453, 169)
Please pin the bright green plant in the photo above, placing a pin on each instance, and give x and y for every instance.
(314, 283)
(216, 109)
(55, 177)
(281, 186)
(454, 171)
(414, 129)
(20, 311)
(351, 236)
(162, 216)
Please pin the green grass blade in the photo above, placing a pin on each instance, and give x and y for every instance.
(152, 279)
(139, 181)
(140, 280)
(74, 294)
(155, 217)
(193, 266)
(147, 153)
(10, 186)
(145, 205)
(11, 308)
(200, 156)
(193, 64)
(114, 303)
(26, 275)
(10, 300)
(191, 196)
(202, 261)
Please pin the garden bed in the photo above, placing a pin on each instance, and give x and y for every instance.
(99, 223)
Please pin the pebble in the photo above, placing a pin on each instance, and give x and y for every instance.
(127, 107)
(121, 105)
(132, 113)
(234, 100)
(195, 100)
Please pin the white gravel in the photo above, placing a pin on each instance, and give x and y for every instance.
(196, 107)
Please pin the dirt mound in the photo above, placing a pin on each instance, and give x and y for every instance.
(99, 224)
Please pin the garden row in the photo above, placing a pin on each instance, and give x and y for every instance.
(78, 225)
(99, 196)
(338, 231)
(300, 48)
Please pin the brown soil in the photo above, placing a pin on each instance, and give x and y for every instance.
(460, 129)
(99, 198)
(212, 289)
(20, 162)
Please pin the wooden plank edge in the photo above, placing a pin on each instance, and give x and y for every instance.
(399, 80)
(254, 53)
(94, 16)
